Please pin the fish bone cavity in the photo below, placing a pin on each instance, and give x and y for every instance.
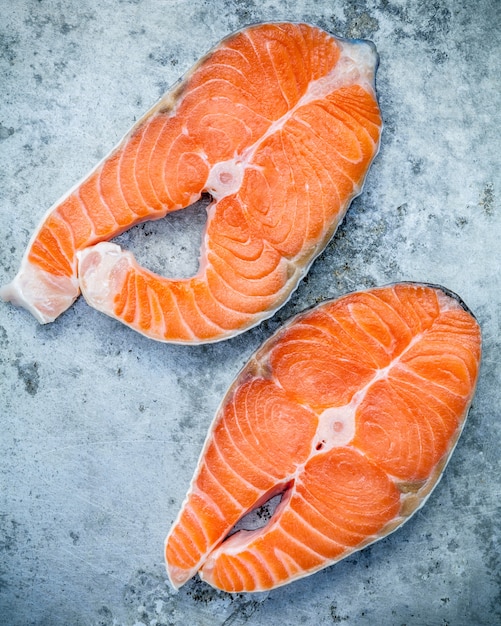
(225, 178)
(336, 427)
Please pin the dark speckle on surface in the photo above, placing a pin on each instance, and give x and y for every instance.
(5, 132)
(360, 24)
(4, 341)
(487, 199)
(8, 47)
(28, 373)
(9, 533)
(336, 618)
(74, 537)
(102, 428)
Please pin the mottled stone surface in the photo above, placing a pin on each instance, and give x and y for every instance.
(101, 428)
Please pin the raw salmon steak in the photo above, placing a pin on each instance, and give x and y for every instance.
(351, 411)
(279, 124)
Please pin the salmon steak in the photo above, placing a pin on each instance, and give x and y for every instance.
(350, 412)
(279, 124)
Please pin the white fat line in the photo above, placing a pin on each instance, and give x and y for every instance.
(203, 272)
(152, 152)
(179, 542)
(246, 459)
(237, 561)
(290, 565)
(252, 439)
(244, 296)
(86, 213)
(336, 425)
(230, 496)
(247, 558)
(412, 387)
(195, 490)
(137, 305)
(434, 383)
(238, 476)
(240, 275)
(99, 173)
(122, 150)
(202, 314)
(184, 324)
(235, 572)
(355, 316)
(296, 541)
(315, 530)
(275, 72)
(353, 338)
(65, 226)
(238, 420)
(354, 66)
(332, 165)
(156, 311)
(55, 260)
(60, 217)
(179, 538)
(309, 503)
(144, 131)
(343, 159)
(249, 485)
(255, 552)
(196, 521)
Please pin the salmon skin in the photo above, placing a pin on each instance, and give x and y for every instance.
(351, 411)
(279, 124)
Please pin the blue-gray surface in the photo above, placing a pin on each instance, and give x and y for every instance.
(101, 428)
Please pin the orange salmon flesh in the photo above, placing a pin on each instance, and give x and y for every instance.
(279, 123)
(351, 411)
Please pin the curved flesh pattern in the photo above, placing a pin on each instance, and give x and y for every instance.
(351, 410)
(279, 123)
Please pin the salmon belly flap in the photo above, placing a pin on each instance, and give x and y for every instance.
(279, 123)
(350, 411)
